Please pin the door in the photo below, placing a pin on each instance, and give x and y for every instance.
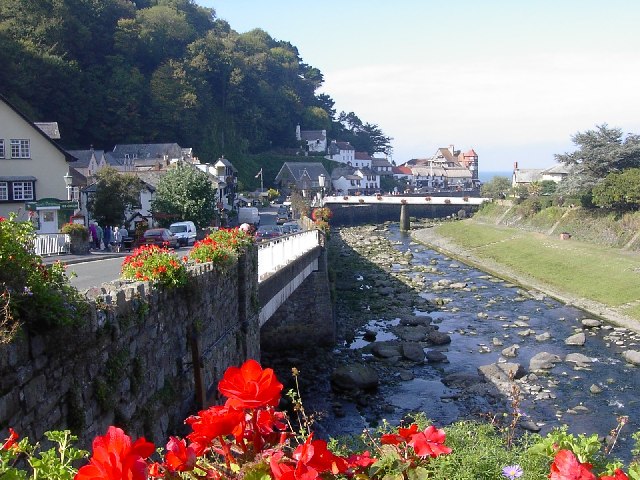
(48, 221)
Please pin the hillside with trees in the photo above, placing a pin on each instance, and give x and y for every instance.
(143, 71)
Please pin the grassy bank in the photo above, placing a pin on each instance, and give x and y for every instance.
(596, 273)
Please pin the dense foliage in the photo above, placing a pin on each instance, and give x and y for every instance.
(619, 191)
(116, 71)
(184, 193)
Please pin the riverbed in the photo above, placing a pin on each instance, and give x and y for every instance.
(386, 282)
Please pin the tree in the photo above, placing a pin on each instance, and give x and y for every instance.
(620, 191)
(115, 193)
(497, 187)
(600, 152)
(184, 193)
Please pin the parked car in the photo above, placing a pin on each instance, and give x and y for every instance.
(266, 232)
(291, 227)
(162, 237)
(249, 215)
(282, 218)
(185, 231)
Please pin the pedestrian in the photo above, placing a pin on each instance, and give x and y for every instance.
(117, 238)
(125, 235)
(100, 233)
(94, 233)
(107, 238)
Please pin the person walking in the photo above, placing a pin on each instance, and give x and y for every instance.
(100, 234)
(107, 238)
(94, 233)
(117, 238)
(125, 234)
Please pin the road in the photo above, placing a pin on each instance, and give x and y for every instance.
(96, 272)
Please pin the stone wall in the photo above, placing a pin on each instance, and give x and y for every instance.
(349, 214)
(144, 360)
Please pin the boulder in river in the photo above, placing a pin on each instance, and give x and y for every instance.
(632, 356)
(578, 339)
(386, 349)
(543, 361)
(579, 359)
(355, 376)
(434, 356)
(590, 323)
(412, 351)
(438, 338)
(501, 374)
(511, 351)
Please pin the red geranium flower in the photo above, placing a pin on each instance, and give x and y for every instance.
(212, 423)
(358, 462)
(403, 435)
(13, 437)
(116, 458)
(314, 454)
(429, 443)
(179, 457)
(566, 466)
(617, 475)
(250, 386)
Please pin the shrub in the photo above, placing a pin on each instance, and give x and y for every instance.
(154, 264)
(33, 294)
(209, 250)
(76, 230)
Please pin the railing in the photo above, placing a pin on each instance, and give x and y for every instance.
(52, 244)
(278, 252)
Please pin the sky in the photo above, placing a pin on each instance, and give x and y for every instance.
(512, 79)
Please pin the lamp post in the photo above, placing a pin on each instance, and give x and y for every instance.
(68, 180)
(322, 181)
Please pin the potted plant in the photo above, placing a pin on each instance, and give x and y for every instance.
(79, 235)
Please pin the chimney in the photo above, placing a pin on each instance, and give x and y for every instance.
(451, 149)
(515, 165)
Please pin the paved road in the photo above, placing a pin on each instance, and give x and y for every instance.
(96, 269)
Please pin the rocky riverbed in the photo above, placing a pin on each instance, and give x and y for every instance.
(419, 332)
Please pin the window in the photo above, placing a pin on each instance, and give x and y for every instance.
(23, 190)
(20, 149)
(1, 147)
(4, 191)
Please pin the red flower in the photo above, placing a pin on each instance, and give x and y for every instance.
(115, 458)
(566, 466)
(314, 454)
(357, 462)
(617, 475)
(403, 435)
(179, 457)
(429, 443)
(250, 386)
(13, 437)
(214, 422)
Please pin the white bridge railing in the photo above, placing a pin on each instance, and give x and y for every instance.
(51, 244)
(278, 252)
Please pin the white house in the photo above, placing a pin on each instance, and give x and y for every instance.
(341, 152)
(316, 140)
(350, 181)
(34, 170)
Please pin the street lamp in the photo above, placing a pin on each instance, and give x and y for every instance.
(68, 180)
(322, 181)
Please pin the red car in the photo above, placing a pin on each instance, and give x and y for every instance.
(162, 237)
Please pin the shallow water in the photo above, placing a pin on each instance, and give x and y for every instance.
(509, 313)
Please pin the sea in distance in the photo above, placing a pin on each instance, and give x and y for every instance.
(487, 176)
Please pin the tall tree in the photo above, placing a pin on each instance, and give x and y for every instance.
(115, 193)
(185, 193)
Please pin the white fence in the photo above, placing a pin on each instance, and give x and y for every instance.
(278, 252)
(52, 244)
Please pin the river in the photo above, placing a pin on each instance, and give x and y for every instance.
(482, 315)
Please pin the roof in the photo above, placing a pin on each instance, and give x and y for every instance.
(401, 170)
(309, 135)
(68, 157)
(147, 150)
(84, 157)
(346, 172)
(362, 156)
(226, 163)
(559, 169)
(18, 178)
(471, 153)
(49, 128)
(297, 170)
(380, 162)
(527, 175)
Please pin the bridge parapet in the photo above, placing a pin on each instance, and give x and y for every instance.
(274, 254)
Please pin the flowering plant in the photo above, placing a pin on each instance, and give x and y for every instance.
(154, 264)
(247, 438)
(221, 247)
(324, 213)
(32, 293)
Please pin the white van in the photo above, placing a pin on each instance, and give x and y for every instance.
(185, 231)
(249, 215)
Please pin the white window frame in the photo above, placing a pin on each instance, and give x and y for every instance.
(20, 148)
(20, 190)
(2, 152)
(4, 191)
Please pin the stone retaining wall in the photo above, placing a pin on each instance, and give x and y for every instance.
(144, 360)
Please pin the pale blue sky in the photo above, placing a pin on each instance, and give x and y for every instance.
(512, 79)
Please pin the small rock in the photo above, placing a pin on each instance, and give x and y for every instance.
(590, 323)
(434, 356)
(355, 376)
(543, 361)
(529, 426)
(578, 358)
(543, 337)
(595, 389)
(497, 342)
(369, 336)
(511, 351)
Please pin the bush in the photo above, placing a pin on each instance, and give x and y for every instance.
(154, 264)
(76, 230)
(221, 247)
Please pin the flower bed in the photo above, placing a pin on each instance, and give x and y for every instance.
(248, 438)
(154, 264)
